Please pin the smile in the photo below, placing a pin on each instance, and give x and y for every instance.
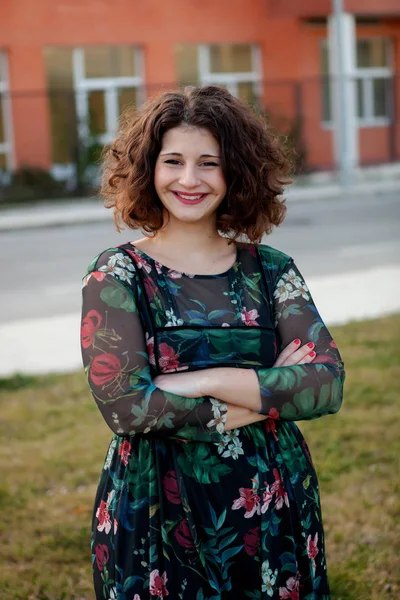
(189, 198)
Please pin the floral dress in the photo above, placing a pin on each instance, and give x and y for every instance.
(185, 509)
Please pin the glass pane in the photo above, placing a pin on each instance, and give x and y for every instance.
(109, 61)
(324, 58)
(380, 92)
(229, 58)
(360, 98)
(63, 126)
(3, 162)
(126, 98)
(186, 64)
(372, 52)
(326, 100)
(246, 92)
(97, 112)
(58, 65)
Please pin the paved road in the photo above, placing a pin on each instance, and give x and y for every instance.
(42, 268)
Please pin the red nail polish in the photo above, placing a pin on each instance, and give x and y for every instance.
(310, 345)
(312, 354)
(297, 341)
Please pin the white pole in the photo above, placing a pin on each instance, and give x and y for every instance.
(345, 162)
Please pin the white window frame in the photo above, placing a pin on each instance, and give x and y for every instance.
(110, 85)
(6, 147)
(367, 75)
(230, 80)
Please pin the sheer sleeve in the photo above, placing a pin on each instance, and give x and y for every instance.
(301, 391)
(117, 356)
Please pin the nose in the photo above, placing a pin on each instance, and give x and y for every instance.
(189, 177)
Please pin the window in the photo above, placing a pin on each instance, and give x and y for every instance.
(373, 80)
(5, 117)
(235, 66)
(88, 90)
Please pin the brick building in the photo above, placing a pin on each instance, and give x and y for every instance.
(68, 67)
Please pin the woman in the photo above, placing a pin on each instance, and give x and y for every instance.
(201, 351)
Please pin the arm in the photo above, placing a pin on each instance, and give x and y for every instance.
(116, 362)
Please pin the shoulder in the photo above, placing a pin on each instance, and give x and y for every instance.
(272, 259)
(116, 261)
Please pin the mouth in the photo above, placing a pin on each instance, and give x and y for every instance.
(186, 198)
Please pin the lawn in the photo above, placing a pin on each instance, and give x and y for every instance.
(54, 442)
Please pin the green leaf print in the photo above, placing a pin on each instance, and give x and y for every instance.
(304, 401)
(282, 378)
(288, 411)
(292, 309)
(197, 462)
(180, 402)
(248, 339)
(313, 332)
(118, 297)
(141, 476)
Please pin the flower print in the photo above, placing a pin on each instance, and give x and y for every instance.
(150, 349)
(103, 516)
(136, 597)
(151, 287)
(168, 358)
(113, 594)
(142, 264)
(312, 549)
(225, 325)
(291, 591)
(158, 584)
(268, 578)
(102, 555)
(110, 454)
(270, 423)
(104, 368)
(124, 452)
(218, 408)
(122, 260)
(300, 287)
(277, 489)
(333, 344)
(293, 278)
(283, 290)
(171, 489)
(233, 450)
(96, 275)
(174, 274)
(249, 500)
(249, 317)
(251, 541)
(231, 436)
(90, 325)
(173, 320)
(117, 267)
(158, 267)
(115, 526)
(183, 535)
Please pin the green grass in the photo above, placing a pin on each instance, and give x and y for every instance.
(54, 443)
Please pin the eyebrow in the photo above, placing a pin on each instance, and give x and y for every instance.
(179, 154)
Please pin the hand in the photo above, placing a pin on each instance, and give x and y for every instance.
(190, 384)
(294, 354)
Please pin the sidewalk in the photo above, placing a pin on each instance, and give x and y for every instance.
(312, 188)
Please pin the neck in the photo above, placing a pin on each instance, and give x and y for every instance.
(200, 237)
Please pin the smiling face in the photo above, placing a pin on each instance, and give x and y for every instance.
(188, 175)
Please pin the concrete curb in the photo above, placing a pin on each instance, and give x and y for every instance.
(85, 210)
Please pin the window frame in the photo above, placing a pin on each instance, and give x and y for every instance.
(366, 75)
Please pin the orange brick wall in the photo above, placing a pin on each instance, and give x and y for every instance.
(289, 48)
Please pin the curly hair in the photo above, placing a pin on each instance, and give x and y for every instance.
(254, 161)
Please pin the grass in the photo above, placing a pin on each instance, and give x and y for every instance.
(54, 442)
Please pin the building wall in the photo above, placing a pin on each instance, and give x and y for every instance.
(289, 51)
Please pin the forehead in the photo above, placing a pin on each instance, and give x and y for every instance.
(189, 140)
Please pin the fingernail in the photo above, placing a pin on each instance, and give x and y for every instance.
(312, 354)
(310, 345)
(297, 341)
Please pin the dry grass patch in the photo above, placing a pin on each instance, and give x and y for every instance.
(54, 443)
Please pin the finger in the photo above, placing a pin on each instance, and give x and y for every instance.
(286, 352)
(308, 358)
(299, 355)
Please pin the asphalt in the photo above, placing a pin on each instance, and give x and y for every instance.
(31, 346)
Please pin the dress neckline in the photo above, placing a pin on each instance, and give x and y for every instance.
(173, 272)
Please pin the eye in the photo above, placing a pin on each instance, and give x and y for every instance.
(172, 161)
(209, 164)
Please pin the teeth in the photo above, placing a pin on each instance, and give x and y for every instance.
(190, 197)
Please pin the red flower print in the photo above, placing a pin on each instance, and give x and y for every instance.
(150, 287)
(183, 535)
(168, 358)
(104, 368)
(171, 489)
(249, 317)
(291, 591)
(158, 584)
(312, 549)
(102, 555)
(270, 424)
(249, 500)
(124, 451)
(277, 489)
(251, 541)
(103, 516)
(90, 325)
(332, 344)
(323, 358)
(150, 349)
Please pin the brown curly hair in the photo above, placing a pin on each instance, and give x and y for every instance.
(254, 161)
